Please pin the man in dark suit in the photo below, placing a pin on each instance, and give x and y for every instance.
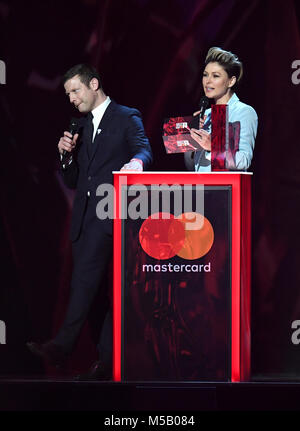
(111, 138)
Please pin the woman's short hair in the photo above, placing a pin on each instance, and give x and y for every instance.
(227, 60)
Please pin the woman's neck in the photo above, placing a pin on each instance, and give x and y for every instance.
(224, 99)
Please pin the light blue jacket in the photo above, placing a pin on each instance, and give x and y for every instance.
(246, 115)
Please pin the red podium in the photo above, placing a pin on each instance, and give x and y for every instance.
(181, 299)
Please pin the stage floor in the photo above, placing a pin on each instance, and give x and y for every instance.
(32, 394)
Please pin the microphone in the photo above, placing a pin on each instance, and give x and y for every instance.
(73, 129)
(203, 105)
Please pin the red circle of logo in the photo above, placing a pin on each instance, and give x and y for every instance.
(161, 235)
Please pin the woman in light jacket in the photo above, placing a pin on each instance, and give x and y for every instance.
(222, 72)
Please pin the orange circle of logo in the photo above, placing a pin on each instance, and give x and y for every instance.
(199, 235)
(189, 235)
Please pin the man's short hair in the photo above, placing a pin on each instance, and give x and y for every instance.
(85, 72)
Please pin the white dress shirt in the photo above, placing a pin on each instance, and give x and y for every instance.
(98, 114)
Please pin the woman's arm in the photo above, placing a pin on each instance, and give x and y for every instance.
(248, 129)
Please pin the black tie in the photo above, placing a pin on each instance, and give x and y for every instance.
(89, 132)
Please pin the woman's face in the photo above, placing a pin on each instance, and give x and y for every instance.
(216, 83)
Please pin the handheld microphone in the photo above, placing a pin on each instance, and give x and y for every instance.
(203, 105)
(73, 129)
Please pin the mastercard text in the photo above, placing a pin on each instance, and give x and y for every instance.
(170, 267)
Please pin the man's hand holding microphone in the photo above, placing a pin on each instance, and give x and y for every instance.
(67, 143)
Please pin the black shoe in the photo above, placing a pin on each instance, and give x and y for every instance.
(51, 352)
(97, 372)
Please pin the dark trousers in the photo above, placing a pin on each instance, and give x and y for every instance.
(92, 253)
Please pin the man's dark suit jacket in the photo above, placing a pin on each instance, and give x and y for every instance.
(121, 138)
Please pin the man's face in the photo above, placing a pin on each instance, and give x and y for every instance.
(83, 97)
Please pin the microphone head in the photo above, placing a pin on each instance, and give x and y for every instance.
(203, 105)
(74, 126)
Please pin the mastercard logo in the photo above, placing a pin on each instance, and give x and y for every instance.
(189, 235)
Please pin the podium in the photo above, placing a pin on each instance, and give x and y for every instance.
(182, 269)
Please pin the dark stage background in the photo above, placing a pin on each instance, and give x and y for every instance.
(150, 55)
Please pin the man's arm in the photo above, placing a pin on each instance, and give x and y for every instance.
(139, 144)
